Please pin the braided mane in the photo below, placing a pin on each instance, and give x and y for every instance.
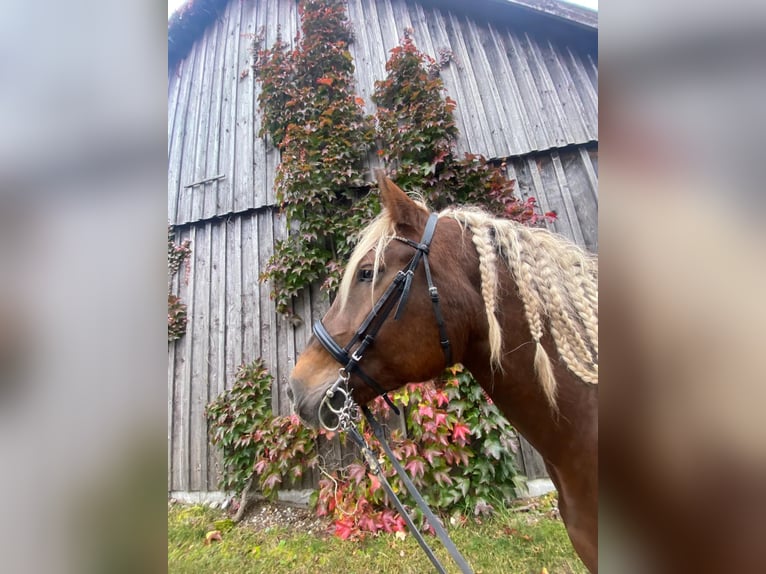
(556, 280)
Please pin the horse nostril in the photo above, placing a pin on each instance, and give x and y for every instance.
(289, 393)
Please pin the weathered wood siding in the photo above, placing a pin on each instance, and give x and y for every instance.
(520, 96)
(214, 119)
(231, 321)
(516, 93)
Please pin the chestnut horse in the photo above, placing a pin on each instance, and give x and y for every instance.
(511, 298)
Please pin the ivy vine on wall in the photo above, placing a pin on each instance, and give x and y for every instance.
(310, 112)
(416, 126)
(177, 319)
(312, 115)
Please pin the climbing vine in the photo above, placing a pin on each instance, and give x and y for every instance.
(416, 126)
(458, 450)
(254, 443)
(177, 319)
(312, 115)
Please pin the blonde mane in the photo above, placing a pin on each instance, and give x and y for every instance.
(556, 280)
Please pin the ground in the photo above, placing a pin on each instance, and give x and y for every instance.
(282, 539)
(264, 515)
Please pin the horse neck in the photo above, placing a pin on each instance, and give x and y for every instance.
(517, 392)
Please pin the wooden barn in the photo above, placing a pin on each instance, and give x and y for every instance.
(524, 76)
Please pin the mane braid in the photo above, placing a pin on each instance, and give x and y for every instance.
(556, 280)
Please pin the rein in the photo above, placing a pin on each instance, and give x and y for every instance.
(347, 414)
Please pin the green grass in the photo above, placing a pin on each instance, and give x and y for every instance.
(509, 543)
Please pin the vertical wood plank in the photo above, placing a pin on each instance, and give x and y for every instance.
(215, 336)
(566, 197)
(174, 92)
(259, 143)
(532, 104)
(552, 108)
(478, 44)
(209, 207)
(586, 90)
(198, 382)
(272, 157)
(518, 136)
(244, 136)
(532, 463)
(229, 79)
(577, 185)
(574, 125)
(278, 343)
(172, 392)
(265, 248)
(475, 124)
(590, 170)
(541, 196)
(176, 159)
(197, 194)
(184, 461)
(234, 71)
(251, 320)
(233, 300)
(190, 170)
(437, 30)
(180, 354)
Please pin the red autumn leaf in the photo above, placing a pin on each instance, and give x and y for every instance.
(441, 398)
(391, 521)
(442, 478)
(325, 81)
(356, 471)
(368, 524)
(416, 467)
(359, 100)
(426, 410)
(344, 528)
(431, 453)
(272, 481)
(374, 483)
(461, 433)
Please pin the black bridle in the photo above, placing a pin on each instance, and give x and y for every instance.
(399, 289)
(348, 413)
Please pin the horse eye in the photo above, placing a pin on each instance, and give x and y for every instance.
(365, 275)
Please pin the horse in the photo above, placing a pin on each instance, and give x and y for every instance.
(508, 298)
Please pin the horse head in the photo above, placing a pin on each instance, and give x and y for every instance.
(408, 343)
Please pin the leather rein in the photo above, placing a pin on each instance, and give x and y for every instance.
(347, 414)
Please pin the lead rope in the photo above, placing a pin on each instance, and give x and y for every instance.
(432, 519)
(347, 415)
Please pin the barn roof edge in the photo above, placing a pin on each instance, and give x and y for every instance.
(189, 22)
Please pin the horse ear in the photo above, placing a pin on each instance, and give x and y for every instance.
(403, 210)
